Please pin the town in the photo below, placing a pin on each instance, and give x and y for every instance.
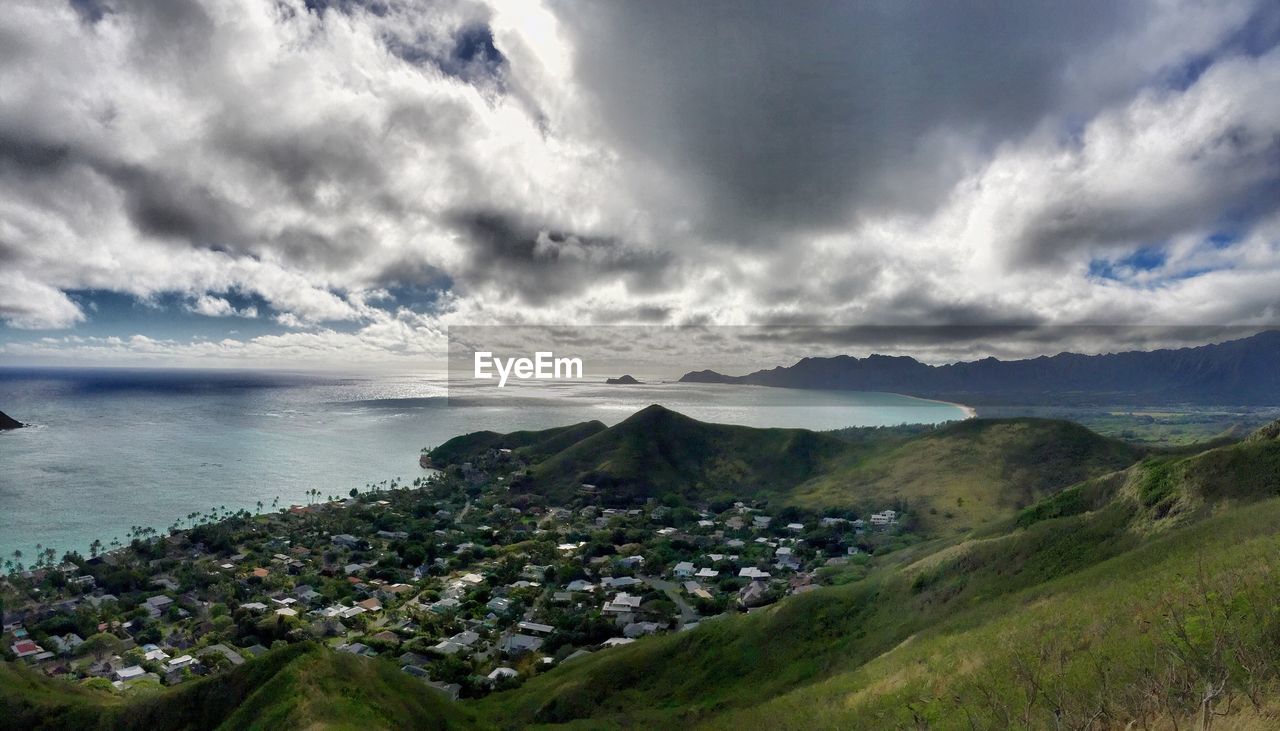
(459, 580)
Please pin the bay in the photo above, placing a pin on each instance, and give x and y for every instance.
(109, 449)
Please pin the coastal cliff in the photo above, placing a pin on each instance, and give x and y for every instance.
(7, 422)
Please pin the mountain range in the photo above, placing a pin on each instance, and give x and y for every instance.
(1244, 372)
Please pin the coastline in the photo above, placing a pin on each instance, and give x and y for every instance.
(969, 411)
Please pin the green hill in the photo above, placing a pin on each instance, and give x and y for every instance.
(532, 444)
(970, 474)
(1093, 608)
(299, 686)
(658, 452)
(953, 479)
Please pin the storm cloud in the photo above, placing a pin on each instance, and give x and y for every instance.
(368, 173)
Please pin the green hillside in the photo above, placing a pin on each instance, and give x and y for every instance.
(299, 686)
(954, 479)
(658, 452)
(971, 474)
(1093, 607)
(535, 444)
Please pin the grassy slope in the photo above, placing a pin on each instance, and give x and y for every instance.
(735, 663)
(340, 691)
(1055, 594)
(1091, 641)
(301, 686)
(971, 474)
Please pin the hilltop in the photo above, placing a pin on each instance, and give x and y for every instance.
(1238, 372)
(531, 443)
(658, 452)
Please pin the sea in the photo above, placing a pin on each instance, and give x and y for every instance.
(112, 449)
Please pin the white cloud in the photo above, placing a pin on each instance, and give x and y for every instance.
(211, 306)
(29, 305)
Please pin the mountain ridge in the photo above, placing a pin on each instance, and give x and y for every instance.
(1236, 372)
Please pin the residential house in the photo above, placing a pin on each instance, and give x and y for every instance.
(26, 648)
(518, 644)
(157, 605)
(501, 673)
(132, 672)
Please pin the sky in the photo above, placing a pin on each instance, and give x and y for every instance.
(336, 183)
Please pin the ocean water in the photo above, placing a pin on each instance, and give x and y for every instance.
(110, 449)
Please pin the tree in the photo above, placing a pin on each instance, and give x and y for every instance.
(100, 645)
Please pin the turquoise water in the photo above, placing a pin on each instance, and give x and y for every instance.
(111, 449)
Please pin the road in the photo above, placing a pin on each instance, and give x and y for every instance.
(673, 591)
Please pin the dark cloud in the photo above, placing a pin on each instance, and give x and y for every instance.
(175, 32)
(536, 264)
(788, 164)
(25, 155)
(804, 115)
(90, 11)
(307, 158)
(347, 6)
(635, 314)
(165, 207)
